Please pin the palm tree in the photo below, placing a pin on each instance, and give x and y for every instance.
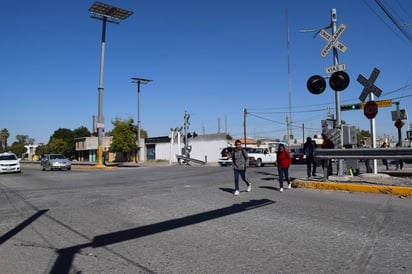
(4, 135)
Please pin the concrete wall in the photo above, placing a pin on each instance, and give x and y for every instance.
(201, 147)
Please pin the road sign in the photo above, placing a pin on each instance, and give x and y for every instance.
(333, 40)
(369, 86)
(332, 69)
(381, 104)
(403, 115)
(370, 110)
(399, 123)
(100, 125)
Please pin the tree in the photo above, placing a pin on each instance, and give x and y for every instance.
(24, 139)
(67, 136)
(18, 148)
(362, 134)
(124, 136)
(4, 135)
(81, 132)
(143, 133)
(42, 149)
(57, 145)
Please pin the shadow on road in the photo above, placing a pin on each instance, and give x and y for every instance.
(66, 256)
(21, 226)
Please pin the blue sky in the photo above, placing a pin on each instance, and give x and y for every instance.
(212, 58)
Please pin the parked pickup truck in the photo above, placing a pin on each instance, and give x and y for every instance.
(261, 156)
(226, 156)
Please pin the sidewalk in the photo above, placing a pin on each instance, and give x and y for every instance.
(395, 182)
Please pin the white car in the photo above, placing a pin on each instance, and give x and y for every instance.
(9, 163)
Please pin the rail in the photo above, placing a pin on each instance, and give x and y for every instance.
(185, 160)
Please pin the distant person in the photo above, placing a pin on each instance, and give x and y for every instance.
(367, 161)
(309, 150)
(327, 144)
(283, 161)
(385, 161)
(398, 162)
(240, 161)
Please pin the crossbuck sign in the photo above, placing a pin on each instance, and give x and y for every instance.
(333, 41)
(369, 86)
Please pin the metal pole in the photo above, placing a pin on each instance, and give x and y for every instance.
(337, 93)
(100, 97)
(398, 116)
(373, 131)
(244, 125)
(172, 132)
(138, 120)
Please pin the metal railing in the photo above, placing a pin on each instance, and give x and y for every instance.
(362, 154)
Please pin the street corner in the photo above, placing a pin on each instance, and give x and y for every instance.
(401, 191)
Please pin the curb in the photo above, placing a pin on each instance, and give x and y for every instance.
(381, 189)
(75, 167)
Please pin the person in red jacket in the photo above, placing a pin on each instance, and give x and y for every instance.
(283, 161)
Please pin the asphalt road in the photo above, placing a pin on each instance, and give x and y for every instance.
(181, 219)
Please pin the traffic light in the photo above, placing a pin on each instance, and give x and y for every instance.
(316, 84)
(350, 107)
(339, 80)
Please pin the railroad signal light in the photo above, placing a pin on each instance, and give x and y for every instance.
(316, 84)
(339, 80)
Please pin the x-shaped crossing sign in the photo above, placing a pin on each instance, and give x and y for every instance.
(369, 85)
(333, 41)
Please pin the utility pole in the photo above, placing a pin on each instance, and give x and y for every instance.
(244, 125)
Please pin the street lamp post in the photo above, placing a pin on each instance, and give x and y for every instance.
(139, 81)
(105, 13)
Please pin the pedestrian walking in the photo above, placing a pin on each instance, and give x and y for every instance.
(240, 161)
(399, 162)
(283, 161)
(367, 162)
(309, 149)
(385, 161)
(327, 144)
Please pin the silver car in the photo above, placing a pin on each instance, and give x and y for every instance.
(55, 161)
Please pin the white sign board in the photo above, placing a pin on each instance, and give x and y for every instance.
(333, 40)
(332, 69)
(100, 125)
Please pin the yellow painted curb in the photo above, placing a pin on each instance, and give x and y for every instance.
(383, 189)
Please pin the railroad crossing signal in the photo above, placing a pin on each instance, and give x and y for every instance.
(339, 80)
(369, 86)
(333, 41)
(316, 84)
